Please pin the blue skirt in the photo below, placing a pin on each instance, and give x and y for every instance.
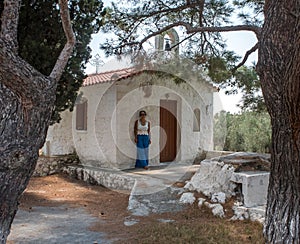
(142, 151)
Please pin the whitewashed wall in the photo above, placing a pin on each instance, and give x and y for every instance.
(112, 110)
(95, 146)
(59, 139)
(131, 99)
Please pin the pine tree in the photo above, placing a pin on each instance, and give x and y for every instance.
(41, 39)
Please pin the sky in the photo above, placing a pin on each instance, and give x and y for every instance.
(239, 42)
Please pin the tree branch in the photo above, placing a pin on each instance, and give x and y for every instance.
(167, 10)
(201, 7)
(168, 27)
(252, 50)
(20, 77)
(183, 40)
(252, 28)
(9, 26)
(15, 73)
(69, 46)
(190, 30)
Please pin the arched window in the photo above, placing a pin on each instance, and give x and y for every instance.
(81, 116)
(171, 37)
(196, 123)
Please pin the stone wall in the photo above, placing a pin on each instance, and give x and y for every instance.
(59, 139)
(112, 179)
(52, 165)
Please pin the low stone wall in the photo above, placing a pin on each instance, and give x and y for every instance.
(112, 179)
(70, 165)
(52, 165)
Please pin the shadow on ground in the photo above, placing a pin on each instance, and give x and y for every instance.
(55, 224)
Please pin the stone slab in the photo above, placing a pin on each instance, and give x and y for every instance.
(246, 161)
(254, 186)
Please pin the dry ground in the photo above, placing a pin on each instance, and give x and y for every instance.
(193, 225)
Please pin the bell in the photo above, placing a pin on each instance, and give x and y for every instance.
(167, 46)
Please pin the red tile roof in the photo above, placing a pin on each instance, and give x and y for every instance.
(110, 76)
(119, 74)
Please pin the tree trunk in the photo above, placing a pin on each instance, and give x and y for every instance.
(279, 70)
(26, 104)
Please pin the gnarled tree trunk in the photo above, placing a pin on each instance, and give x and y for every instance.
(26, 104)
(23, 127)
(279, 70)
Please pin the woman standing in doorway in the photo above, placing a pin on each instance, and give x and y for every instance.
(142, 140)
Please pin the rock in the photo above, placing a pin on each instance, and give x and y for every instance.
(209, 205)
(213, 177)
(254, 214)
(219, 197)
(201, 201)
(189, 186)
(166, 220)
(130, 221)
(240, 213)
(257, 214)
(217, 209)
(187, 198)
(238, 204)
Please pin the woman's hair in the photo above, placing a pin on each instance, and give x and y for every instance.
(141, 112)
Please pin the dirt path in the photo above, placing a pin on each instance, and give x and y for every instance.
(57, 209)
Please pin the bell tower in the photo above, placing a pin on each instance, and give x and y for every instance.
(167, 41)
